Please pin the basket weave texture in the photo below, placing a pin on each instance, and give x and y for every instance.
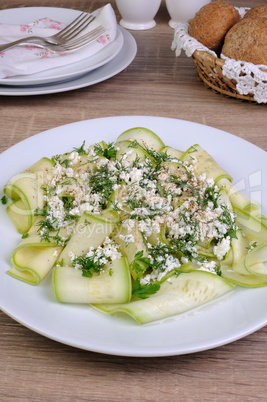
(209, 69)
(231, 78)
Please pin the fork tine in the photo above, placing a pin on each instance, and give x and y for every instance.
(70, 25)
(85, 39)
(77, 28)
(83, 42)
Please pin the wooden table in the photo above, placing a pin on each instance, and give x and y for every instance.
(33, 367)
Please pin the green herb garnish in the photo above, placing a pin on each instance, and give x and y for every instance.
(4, 200)
(140, 263)
(81, 150)
(144, 291)
(109, 152)
(88, 264)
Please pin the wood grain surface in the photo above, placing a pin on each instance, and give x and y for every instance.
(34, 368)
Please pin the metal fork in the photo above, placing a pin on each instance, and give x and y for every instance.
(68, 33)
(77, 43)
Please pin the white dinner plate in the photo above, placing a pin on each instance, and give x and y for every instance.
(222, 321)
(70, 71)
(108, 70)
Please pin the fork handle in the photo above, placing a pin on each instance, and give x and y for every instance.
(35, 40)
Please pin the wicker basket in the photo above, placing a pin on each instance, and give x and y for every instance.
(209, 69)
(246, 82)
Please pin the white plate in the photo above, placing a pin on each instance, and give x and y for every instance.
(225, 320)
(24, 15)
(113, 67)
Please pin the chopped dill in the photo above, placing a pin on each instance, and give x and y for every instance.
(88, 264)
(81, 150)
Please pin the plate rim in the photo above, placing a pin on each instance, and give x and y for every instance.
(107, 349)
(122, 60)
(27, 80)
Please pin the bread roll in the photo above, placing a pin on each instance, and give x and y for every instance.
(211, 23)
(247, 41)
(257, 12)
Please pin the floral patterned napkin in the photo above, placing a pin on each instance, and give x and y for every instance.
(29, 59)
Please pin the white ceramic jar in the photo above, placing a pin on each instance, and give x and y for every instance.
(138, 14)
(183, 10)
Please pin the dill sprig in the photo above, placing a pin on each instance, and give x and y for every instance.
(101, 184)
(158, 157)
(88, 264)
(81, 150)
(227, 219)
(49, 234)
(59, 159)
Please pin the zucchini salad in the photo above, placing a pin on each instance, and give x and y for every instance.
(135, 227)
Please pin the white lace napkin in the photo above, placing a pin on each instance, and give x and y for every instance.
(28, 59)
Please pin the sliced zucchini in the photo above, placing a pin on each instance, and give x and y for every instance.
(33, 259)
(237, 198)
(224, 199)
(239, 247)
(182, 293)
(174, 168)
(263, 220)
(205, 252)
(129, 153)
(19, 216)
(205, 163)
(228, 258)
(43, 165)
(252, 227)
(254, 262)
(173, 152)
(158, 237)
(109, 215)
(26, 187)
(129, 250)
(254, 209)
(250, 281)
(90, 231)
(144, 136)
(113, 285)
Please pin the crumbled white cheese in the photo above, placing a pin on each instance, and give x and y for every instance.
(222, 248)
(74, 158)
(127, 238)
(208, 266)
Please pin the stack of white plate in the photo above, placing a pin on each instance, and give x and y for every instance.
(111, 60)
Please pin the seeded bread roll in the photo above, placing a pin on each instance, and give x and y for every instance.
(211, 23)
(247, 41)
(257, 12)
